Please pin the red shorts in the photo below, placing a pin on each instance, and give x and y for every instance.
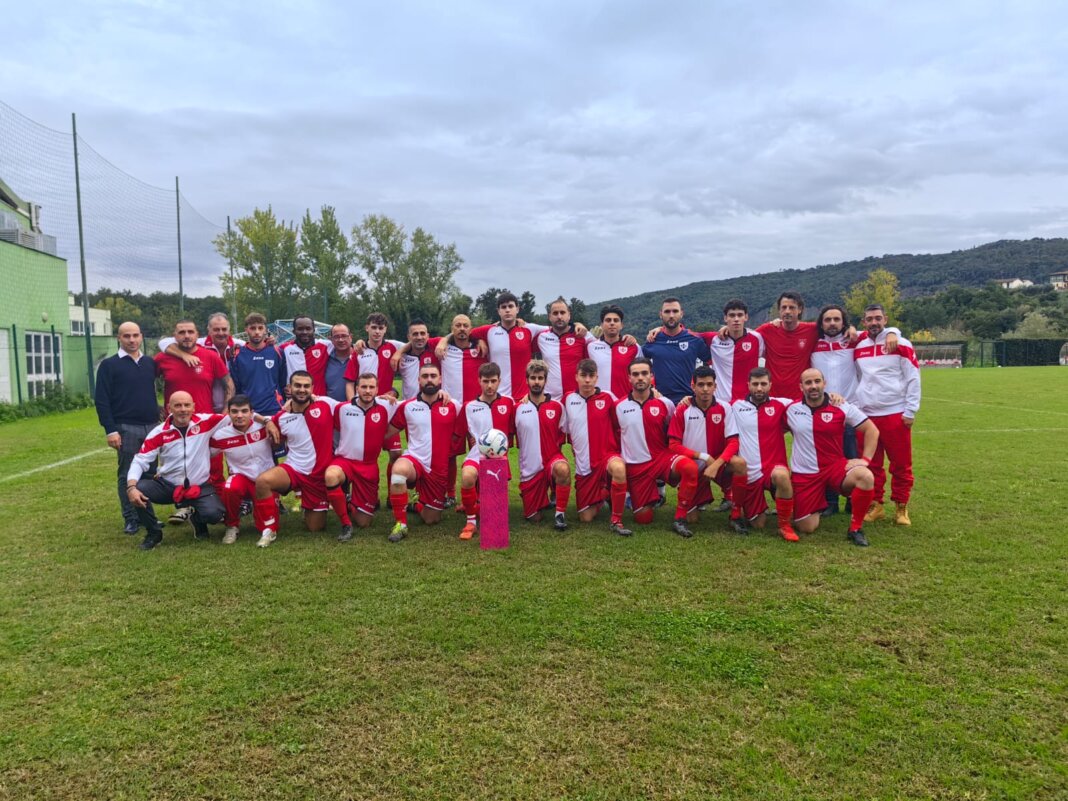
(642, 478)
(430, 485)
(753, 501)
(704, 486)
(392, 443)
(810, 489)
(312, 489)
(362, 478)
(535, 490)
(592, 489)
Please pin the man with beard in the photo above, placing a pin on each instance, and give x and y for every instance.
(539, 433)
(675, 352)
(219, 339)
(613, 352)
(562, 347)
(305, 352)
(430, 424)
(196, 379)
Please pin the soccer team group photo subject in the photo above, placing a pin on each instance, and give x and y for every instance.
(604, 417)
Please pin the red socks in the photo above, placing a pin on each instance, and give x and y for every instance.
(398, 502)
(232, 502)
(738, 485)
(860, 500)
(784, 510)
(338, 502)
(265, 514)
(687, 488)
(618, 495)
(563, 494)
(469, 498)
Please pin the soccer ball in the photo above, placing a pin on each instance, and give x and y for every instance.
(493, 443)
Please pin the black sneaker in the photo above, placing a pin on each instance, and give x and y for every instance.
(560, 522)
(131, 527)
(680, 528)
(246, 508)
(151, 540)
(857, 538)
(200, 531)
(740, 525)
(830, 511)
(617, 528)
(345, 535)
(725, 506)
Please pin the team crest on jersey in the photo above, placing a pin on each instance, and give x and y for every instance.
(315, 352)
(717, 419)
(269, 363)
(747, 346)
(769, 411)
(655, 411)
(315, 412)
(550, 413)
(569, 340)
(194, 430)
(599, 404)
(443, 411)
(684, 345)
(502, 409)
(374, 417)
(256, 436)
(622, 349)
(801, 343)
(519, 334)
(198, 369)
(826, 416)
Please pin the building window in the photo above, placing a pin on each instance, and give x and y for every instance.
(77, 327)
(44, 361)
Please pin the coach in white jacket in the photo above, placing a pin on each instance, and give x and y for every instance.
(888, 391)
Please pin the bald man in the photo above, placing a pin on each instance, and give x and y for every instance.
(182, 445)
(127, 408)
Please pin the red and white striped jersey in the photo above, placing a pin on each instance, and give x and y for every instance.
(562, 354)
(887, 383)
(591, 425)
(511, 349)
(761, 440)
(732, 359)
(477, 417)
(459, 371)
(818, 433)
(410, 365)
(313, 360)
(643, 428)
(431, 429)
(361, 432)
(375, 361)
(539, 434)
(182, 454)
(248, 453)
(704, 431)
(612, 359)
(309, 436)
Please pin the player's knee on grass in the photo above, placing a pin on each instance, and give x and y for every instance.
(430, 516)
(644, 516)
(361, 520)
(807, 525)
(759, 521)
(588, 515)
(314, 521)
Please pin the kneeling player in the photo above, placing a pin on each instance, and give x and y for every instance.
(431, 426)
(704, 430)
(758, 419)
(539, 434)
(308, 427)
(818, 461)
(248, 450)
(362, 424)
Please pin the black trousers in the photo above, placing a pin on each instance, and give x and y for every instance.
(133, 436)
(208, 508)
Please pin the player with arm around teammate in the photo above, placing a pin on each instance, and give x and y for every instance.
(247, 446)
(817, 460)
(539, 433)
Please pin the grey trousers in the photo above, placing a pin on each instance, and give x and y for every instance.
(133, 436)
(208, 508)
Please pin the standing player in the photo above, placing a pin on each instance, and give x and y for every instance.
(305, 352)
(675, 352)
(510, 344)
(197, 379)
(599, 469)
(539, 433)
(736, 354)
(612, 352)
(362, 424)
(817, 460)
(181, 443)
(643, 423)
(489, 410)
(219, 339)
(246, 445)
(408, 361)
(561, 347)
(430, 424)
(888, 391)
(308, 427)
(704, 430)
(257, 369)
(759, 421)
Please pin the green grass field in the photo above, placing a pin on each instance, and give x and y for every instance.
(577, 665)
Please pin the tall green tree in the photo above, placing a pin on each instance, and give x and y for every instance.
(413, 275)
(326, 263)
(879, 287)
(264, 251)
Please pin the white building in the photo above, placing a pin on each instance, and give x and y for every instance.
(99, 320)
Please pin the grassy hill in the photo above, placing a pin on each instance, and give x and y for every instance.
(703, 301)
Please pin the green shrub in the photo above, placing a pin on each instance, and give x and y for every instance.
(56, 398)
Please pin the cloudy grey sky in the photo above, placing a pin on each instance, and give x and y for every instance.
(593, 149)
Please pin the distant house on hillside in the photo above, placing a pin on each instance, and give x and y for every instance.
(1013, 283)
(1059, 280)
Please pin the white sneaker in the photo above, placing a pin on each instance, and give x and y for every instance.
(267, 538)
(179, 516)
(230, 535)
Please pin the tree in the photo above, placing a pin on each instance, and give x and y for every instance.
(1035, 325)
(325, 261)
(121, 309)
(485, 305)
(412, 275)
(264, 252)
(879, 287)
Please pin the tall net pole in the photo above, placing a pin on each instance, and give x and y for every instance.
(230, 256)
(81, 250)
(178, 217)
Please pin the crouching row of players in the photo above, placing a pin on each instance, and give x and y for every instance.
(626, 446)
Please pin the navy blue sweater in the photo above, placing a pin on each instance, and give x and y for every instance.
(126, 392)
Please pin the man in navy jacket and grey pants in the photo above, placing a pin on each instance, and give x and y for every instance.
(127, 408)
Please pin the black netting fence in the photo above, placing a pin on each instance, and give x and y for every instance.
(1018, 352)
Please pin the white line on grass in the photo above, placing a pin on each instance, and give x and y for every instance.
(60, 463)
(986, 430)
(995, 405)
